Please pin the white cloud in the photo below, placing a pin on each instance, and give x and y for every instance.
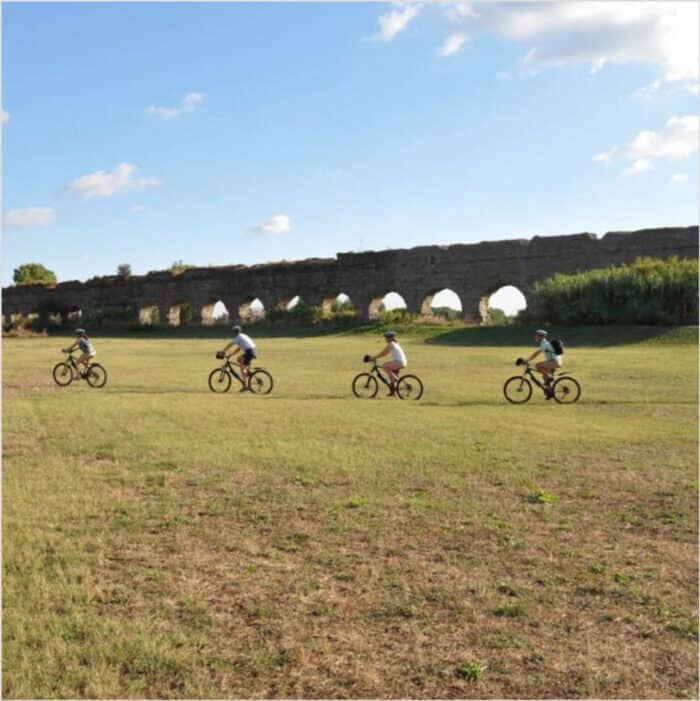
(5, 116)
(597, 34)
(277, 224)
(106, 183)
(189, 103)
(391, 23)
(639, 166)
(600, 33)
(452, 44)
(676, 141)
(679, 178)
(30, 218)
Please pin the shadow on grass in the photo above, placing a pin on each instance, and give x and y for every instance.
(575, 336)
(520, 336)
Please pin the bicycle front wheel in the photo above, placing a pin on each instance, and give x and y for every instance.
(365, 386)
(566, 390)
(517, 390)
(409, 387)
(219, 381)
(96, 376)
(260, 382)
(63, 374)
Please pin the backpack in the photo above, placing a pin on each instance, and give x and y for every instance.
(557, 346)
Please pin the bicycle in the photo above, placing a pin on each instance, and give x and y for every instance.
(259, 380)
(518, 389)
(365, 385)
(64, 373)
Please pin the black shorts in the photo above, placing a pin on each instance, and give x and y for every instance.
(248, 356)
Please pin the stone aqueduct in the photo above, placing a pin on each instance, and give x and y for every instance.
(473, 271)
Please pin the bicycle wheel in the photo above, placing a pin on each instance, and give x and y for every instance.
(365, 386)
(63, 374)
(409, 387)
(566, 390)
(517, 390)
(219, 380)
(96, 375)
(260, 382)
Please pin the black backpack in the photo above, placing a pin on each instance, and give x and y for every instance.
(557, 346)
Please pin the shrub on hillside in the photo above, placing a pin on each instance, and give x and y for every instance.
(648, 291)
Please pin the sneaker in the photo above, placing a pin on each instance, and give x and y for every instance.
(548, 394)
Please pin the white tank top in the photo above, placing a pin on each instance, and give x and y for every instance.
(397, 353)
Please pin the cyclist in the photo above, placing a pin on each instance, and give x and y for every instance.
(550, 364)
(247, 346)
(87, 348)
(397, 362)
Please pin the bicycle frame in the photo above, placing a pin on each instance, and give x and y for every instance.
(530, 372)
(72, 362)
(231, 369)
(378, 372)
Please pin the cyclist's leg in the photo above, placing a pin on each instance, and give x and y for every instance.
(390, 368)
(546, 368)
(245, 366)
(81, 364)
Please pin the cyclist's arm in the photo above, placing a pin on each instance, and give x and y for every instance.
(534, 355)
(228, 345)
(386, 351)
(71, 348)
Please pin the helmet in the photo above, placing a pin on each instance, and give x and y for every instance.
(540, 332)
(390, 334)
(236, 329)
(80, 332)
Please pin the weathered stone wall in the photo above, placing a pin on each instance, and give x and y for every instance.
(473, 271)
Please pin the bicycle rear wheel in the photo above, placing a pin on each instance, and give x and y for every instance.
(260, 382)
(96, 375)
(409, 387)
(566, 390)
(63, 374)
(517, 390)
(219, 381)
(365, 386)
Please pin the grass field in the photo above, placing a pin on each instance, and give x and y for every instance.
(163, 541)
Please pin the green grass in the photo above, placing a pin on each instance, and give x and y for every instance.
(163, 541)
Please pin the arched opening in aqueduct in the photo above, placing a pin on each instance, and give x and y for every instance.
(335, 303)
(388, 302)
(149, 314)
(74, 315)
(179, 313)
(215, 312)
(251, 310)
(502, 304)
(288, 303)
(442, 303)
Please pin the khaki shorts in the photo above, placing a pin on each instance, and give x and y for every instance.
(549, 364)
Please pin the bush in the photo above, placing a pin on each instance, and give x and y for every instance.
(648, 291)
(445, 313)
(301, 313)
(33, 273)
(397, 316)
(97, 316)
(178, 267)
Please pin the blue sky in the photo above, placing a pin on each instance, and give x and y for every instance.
(285, 131)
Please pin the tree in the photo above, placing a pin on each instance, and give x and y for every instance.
(179, 267)
(32, 274)
(124, 270)
(497, 317)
